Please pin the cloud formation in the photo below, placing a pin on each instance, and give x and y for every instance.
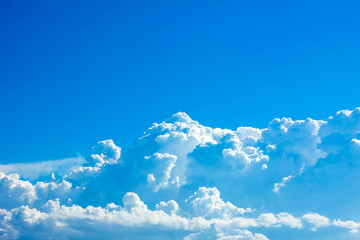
(183, 180)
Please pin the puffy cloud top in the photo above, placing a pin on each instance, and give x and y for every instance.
(206, 202)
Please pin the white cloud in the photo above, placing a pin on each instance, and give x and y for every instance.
(105, 152)
(235, 234)
(297, 139)
(93, 222)
(176, 159)
(316, 220)
(169, 207)
(241, 235)
(281, 184)
(240, 154)
(248, 132)
(181, 136)
(344, 122)
(289, 220)
(206, 202)
(213, 217)
(353, 226)
(15, 192)
(161, 172)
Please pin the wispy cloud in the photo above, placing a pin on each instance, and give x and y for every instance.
(35, 170)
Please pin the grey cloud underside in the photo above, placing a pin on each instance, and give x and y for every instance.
(185, 180)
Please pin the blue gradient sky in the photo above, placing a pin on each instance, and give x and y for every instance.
(76, 72)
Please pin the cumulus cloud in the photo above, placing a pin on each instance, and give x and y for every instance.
(103, 153)
(316, 220)
(94, 221)
(344, 122)
(181, 136)
(293, 143)
(25, 221)
(170, 207)
(15, 192)
(161, 172)
(242, 235)
(234, 235)
(289, 220)
(353, 226)
(169, 181)
(206, 202)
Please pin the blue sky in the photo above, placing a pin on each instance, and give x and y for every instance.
(78, 74)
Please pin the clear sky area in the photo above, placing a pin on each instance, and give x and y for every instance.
(75, 72)
(180, 119)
